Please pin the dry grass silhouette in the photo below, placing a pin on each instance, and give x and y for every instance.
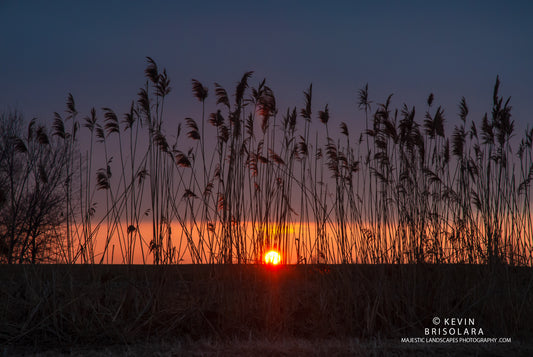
(403, 191)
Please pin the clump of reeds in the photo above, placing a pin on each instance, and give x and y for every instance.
(242, 179)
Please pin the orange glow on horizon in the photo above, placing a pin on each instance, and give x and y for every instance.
(272, 257)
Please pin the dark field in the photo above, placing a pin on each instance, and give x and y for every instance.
(251, 309)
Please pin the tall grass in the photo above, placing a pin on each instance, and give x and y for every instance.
(48, 306)
(242, 179)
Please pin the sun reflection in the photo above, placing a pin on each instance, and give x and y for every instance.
(272, 257)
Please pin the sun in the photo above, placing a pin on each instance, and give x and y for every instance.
(272, 257)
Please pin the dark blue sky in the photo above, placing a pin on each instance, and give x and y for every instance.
(97, 49)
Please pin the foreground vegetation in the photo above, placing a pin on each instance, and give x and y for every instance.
(55, 306)
(236, 180)
(282, 347)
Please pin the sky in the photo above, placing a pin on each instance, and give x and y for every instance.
(96, 50)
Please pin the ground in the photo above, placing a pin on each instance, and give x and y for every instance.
(285, 347)
(313, 310)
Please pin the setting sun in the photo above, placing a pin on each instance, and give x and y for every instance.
(272, 257)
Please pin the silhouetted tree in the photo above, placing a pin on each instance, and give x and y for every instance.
(32, 172)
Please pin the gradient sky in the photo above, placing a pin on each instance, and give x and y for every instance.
(97, 50)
